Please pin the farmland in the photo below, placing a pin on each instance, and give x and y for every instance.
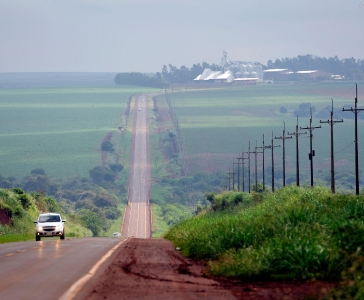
(59, 129)
(217, 124)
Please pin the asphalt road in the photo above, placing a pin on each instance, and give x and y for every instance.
(137, 214)
(47, 269)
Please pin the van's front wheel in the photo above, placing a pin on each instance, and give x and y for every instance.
(37, 238)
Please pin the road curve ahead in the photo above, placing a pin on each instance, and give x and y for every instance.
(46, 269)
(137, 217)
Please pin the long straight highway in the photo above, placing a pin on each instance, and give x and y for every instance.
(137, 217)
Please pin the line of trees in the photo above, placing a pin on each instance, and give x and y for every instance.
(169, 75)
(351, 68)
(140, 79)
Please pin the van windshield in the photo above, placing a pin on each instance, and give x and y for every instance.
(49, 218)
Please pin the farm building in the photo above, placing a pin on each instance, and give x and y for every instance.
(232, 70)
(252, 72)
(277, 74)
(247, 81)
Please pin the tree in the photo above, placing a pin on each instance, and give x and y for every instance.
(23, 198)
(97, 174)
(92, 221)
(139, 79)
(210, 196)
(304, 110)
(104, 199)
(107, 146)
(283, 110)
(115, 168)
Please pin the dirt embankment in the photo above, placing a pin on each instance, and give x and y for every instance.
(153, 269)
(4, 217)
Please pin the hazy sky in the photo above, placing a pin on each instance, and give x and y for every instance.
(143, 35)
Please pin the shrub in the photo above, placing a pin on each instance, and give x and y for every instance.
(107, 146)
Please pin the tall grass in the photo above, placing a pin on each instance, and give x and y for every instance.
(294, 233)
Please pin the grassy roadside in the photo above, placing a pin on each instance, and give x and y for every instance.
(19, 210)
(294, 233)
(116, 224)
(159, 226)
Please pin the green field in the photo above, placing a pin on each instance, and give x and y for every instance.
(217, 124)
(58, 129)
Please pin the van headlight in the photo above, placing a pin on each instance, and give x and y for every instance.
(39, 228)
(59, 227)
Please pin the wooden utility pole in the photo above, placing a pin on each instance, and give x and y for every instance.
(272, 147)
(283, 138)
(297, 153)
(238, 174)
(242, 170)
(256, 165)
(263, 148)
(255, 152)
(249, 168)
(356, 110)
(231, 173)
(312, 152)
(331, 122)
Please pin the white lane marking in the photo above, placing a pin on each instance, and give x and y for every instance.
(78, 285)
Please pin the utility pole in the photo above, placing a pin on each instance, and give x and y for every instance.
(263, 148)
(297, 153)
(272, 147)
(231, 173)
(256, 165)
(238, 174)
(255, 152)
(249, 168)
(312, 152)
(356, 110)
(242, 172)
(331, 122)
(283, 138)
(226, 187)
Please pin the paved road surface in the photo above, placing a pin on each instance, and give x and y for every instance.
(137, 214)
(46, 269)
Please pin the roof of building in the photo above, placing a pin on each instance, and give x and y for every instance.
(246, 79)
(307, 72)
(274, 70)
(213, 75)
(226, 75)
